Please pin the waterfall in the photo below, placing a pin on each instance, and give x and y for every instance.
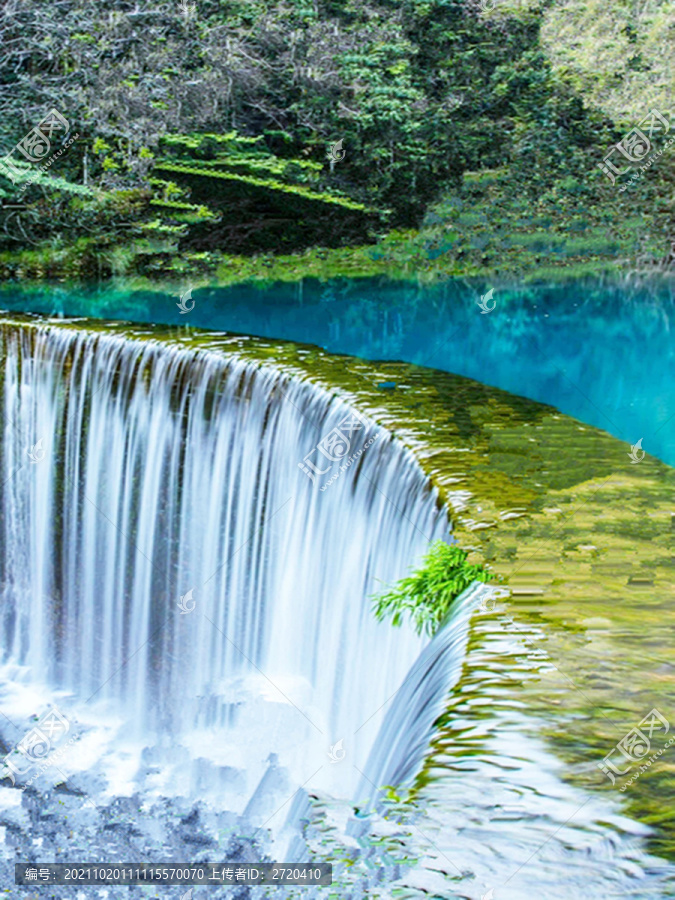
(170, 554)
(408, 725)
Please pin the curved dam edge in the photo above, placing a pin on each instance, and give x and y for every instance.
(581, 535)
(495, 458)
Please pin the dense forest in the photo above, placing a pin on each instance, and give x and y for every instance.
(455, 132)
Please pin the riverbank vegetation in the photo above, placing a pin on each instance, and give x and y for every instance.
(430, 137)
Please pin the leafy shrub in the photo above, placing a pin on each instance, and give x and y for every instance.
(427, 596)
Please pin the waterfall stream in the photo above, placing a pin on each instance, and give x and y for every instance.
(190, 586)
(169, 561)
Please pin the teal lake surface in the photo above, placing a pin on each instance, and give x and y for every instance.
(602, 352)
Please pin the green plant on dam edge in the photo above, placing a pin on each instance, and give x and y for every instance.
(428, 594)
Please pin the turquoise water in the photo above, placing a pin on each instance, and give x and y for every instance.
(600, 351)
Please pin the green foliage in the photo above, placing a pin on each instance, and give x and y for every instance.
(428, 595)
(270, 184)
(251, 197)
(621, 56)
(238, 103)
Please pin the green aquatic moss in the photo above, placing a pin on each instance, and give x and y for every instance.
(269, 183)
(582, 539)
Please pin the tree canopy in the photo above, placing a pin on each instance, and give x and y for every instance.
(215, 122)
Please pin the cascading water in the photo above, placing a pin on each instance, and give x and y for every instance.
(407, 729)
(198, 607)
(166, 557)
